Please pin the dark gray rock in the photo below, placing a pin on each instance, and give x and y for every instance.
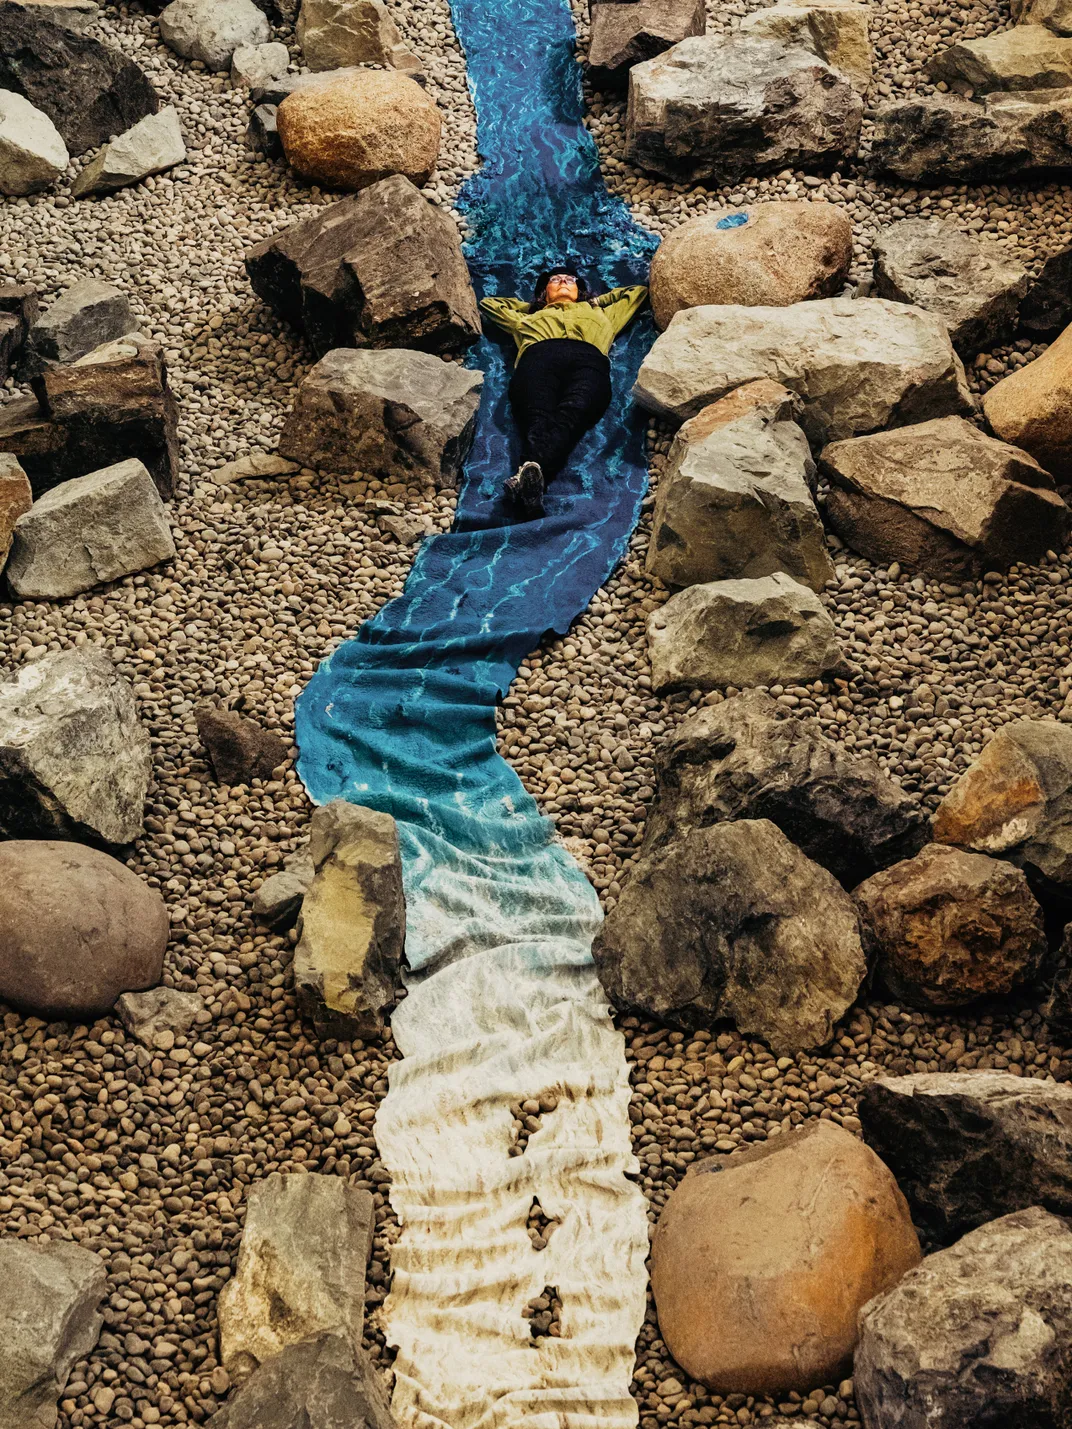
(324, 1383)
(262, 133)
(157, 1016)
(622, 38)
(299, 273)
(1047, 305)
(240, 750)
(18, 311)
(89, 314)
(278, 900)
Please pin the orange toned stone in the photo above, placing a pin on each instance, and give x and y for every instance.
(739, 403)
(995, 804)
(1032, 408)
(15, 501)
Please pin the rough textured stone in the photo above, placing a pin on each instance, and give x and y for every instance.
(733, 922)
(1056, 15)
(835, 30)
(947, 927)
(967, 1147)
(157, 1016)
(353, 129)
(258, 64)
(334, 34)
(395, 414)
(301, 1268)
(1026, 57)
(32, 153)
(74, 757)
(798, 1234)
(323, 1383)
(717, 107)
(1032, 408)
(211, 30)
(1057, 1009)
(262, 132)
(49, 1319)
(859, 364)
(622, 38)
(15, 501)
(77, 928)
(978, 1334)
(736, 760)
(153, 145)
(85, 532)
(1047, 306)
(743, 632)
(353, 922)
(734, 499)
(240, 750)
(969, 281)
(942, 498)
(278, 900)
(71, 14)
(89, 314)
(784, 253)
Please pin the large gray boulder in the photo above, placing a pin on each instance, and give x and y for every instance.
(622, 38)
(735, 499)
(743, 632)
(49, 1319)
(717, 107)
(979, 1334)
(835, 30)
(733, 922)
(942, 498)
(1028, 57)
(396, 414)
(859, 364)
(32, 152)
(737, 760)
(334, 34)
(323, 1383)
(967, 1147)
(74, 757)
(211, 30)
(152, 146)
(87, 315)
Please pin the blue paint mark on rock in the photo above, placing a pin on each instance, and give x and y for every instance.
(732, 220)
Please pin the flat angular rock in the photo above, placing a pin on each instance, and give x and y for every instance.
(258, 64)
(88, 531)
(733, 922)
(89, 91)
(621, 38)
(89, 314)
(278, 900)
(71, 14)
(262, 132)
(240, 750)
(353, 922)
(32, 153)
(397, 414)
(736, 760)
(1056, 15)
(967, 1147)
(322, 1383)
(948, 927)
(859, 364)
(969, 281)
(1026, 57)
(74, 757)
(15, 501)
(835, 30)
(153, 145)
(301, 1268)
(336, 33)
(49, 1319)
(1032, 407)
(942, 498)
(978, 1334)
(256, 467)
(717, 107)
(734, 498)
(742, 632)
(157, 1016)
(211, 30)
(1047, 305)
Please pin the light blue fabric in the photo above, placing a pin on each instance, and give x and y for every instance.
(732, 220)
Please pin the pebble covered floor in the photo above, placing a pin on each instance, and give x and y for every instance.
(147, 1158)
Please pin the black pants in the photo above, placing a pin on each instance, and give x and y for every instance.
(560, 389)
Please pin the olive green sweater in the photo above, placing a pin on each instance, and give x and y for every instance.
(598, 320)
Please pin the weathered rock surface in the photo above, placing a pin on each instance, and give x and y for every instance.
(156, 1017)
(733, 922)
(736, 760)
(240, 750)
(942, 498)
(835, 30)
(859, 364)
(322, 1383)
(353, 922)
(32, 153)
(1056, 15)
(1047, 306)
(978, 1334)
(49, 1319)
(352, 129)
(89, 314)
(211, 30)
(1026, 57)
(947, 927)
(72, 14)
(152, 146)
(742, 632)
(252, 65)
(967, 1147)
(77, 928)
(334, 34)
(734, 499)
(262, 132)
(74, 757)
(301, 1268)
(88, 531)
(394, 413)
(278, 900)
(621, 38)
(717, 107)
(783, 253)
(969, 281)
(15, 501)
(1032, 408)
(798, 1233)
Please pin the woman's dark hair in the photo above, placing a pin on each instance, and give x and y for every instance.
(539, 297)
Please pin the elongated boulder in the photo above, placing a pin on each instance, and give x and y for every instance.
(835, 30)
(32, 153)
(87, 315)
(1047, 305)
(211, 30)
(967, 1147)
(152, 146)
(859, 364)
(1032, 408)
(717, 107)
(737, 760)
(733, 922)
(325, 1383)
(15, 501)
(336, 33)
(621, 38)
(1026, 57)
(734, 498)
(942, 498)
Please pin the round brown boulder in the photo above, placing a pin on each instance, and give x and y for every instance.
(360, 126)
(782, 253)
(947, 927)
(77, 928)
(762, 1260)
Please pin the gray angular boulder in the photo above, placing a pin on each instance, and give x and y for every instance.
(1028, 57)
(323, 1383)
(157, 1016)
(858, 364)
(967, 1147)
(733, 922)
(74, 757)
(835, 30)
(278, 900)
(32, 152)
(621, 38)
(211, 30)
(744, 632)
(87, 315)
(397, 414)
(979, 1334)
(737, 760)
(716, 107)
(152, 146)
(334, 34)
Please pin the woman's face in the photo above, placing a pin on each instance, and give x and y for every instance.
(561, 288)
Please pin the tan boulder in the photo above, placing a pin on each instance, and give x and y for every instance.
(352, 129)
(759, 1271)
(835, 30)
(15, 500)
(1032, 408)
(783, 254)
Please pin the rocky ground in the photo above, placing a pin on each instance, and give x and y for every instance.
(146, 1156)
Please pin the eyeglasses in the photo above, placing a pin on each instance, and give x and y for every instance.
(562, 277)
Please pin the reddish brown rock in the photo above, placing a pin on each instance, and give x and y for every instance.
(15, 500)
(239, 748)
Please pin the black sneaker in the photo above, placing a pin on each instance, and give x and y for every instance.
(525, 489)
